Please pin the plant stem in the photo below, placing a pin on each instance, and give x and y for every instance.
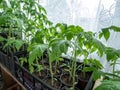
(114, 67)
(110, 74)
(74, 64)
(51, 71)
(42, 60)
(83, 71)
(9, 33)
(74, 69)
(55, 67)
(37, 64)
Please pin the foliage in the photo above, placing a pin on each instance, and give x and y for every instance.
(109, 85)
(112, 53)
(15, 43)
(27, 15)
(28, 18)
(93, 66)
(111, 80)
(58, 46)
(106, 31)
(36, 51)
(2, 39)
(82, 43)
(23, 60)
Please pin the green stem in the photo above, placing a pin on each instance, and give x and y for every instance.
(74, 64)
(114, 67)
(110, 74)
(83, 71)
(74, 69)
(37, 63)
(55, 67)
(51, 71)
(13, 48)
(42, 60)
(9, 32)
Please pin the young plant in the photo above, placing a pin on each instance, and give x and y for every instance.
(93, 66)
(106, 31)
(27, 15)
(112, 54)
(13, 45)
(56, 48)
(35, 53)
(9, 24)
(111, 80)
(71, 34)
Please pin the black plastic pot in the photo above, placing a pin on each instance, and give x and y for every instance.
(66, 80)
(85, 80)
(42, 74)
(20, 54)
(30, 81)
(67, 88)
(56, 73)
(8, 62)
(46, 65)
(56, 85)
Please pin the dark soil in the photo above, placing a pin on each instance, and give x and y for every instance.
(83, 78)
(66, 80)
(42, 74)
(56, 84)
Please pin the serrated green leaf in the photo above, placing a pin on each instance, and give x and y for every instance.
(97, 74)
(88, 69)
(2, 39)
(93, 49)
(118, 53)
(36, 51)
(115, 28)
(58, 47)
(32, 56)
(39, 67)
(106, 33)
(85, 52)
(112, 54)
(99, 46)
(79, 29)
(109, 85)
(43, 10)
(100, 35)
(31, 68)
(18, 44)
(14, 43)
(69, 35)
(22, 60)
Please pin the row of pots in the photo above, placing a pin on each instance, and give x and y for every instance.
(59, 82)
(61, 75)
(62, 79)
